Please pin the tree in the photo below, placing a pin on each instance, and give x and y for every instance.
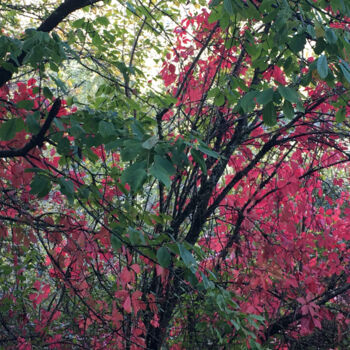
(210, 214)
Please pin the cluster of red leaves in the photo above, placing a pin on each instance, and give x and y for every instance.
(293, 238)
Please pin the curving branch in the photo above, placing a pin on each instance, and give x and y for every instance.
(284, 322)
(36, 140)
(51, 22)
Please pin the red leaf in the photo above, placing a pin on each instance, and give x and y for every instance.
(127, 305)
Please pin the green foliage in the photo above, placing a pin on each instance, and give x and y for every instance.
(164, 257)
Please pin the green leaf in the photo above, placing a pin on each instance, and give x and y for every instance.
(198, 158)
(247, 102)
(54, 67)
(102, 20)
(36, 171)
(163, 257)
(135, 236)
(346, 71)
(150, 143)
(214, 3)
(228, 7)
(162, 169)
(288, 110)
(219, 100)
(220, 301)
(32, 122)
(340, 115)
(40, 186)
(165, 164)
(60, 84)
(310, 29)
(288, 65)
(206, 282)
(253, 50)
(265, 96)
(135, 175)
(47, 93)
(78, 23)
(63, 145)
(187, 257)
(113, 145)
(96, 40)
(116, 242)
(106, 128)
(331, 37)
(160, 174)
(178, 155)
(10, 67)
(83, 192)
(8, 130)
(206, 150)
(320, 46)
(138, 130)
(26, 104)
(322, 66)
(306, 79)
(131, 149)
(297, 43)
(67, 188)
(214, 16)
(288, 93)
(257, 317)
(269, 114)
(300, 107)
(76, 130)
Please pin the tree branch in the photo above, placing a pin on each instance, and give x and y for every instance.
(36, 140)
(285, 321)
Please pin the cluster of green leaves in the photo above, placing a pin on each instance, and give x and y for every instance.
(268, 98)
(35, 49)
(294, 28)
